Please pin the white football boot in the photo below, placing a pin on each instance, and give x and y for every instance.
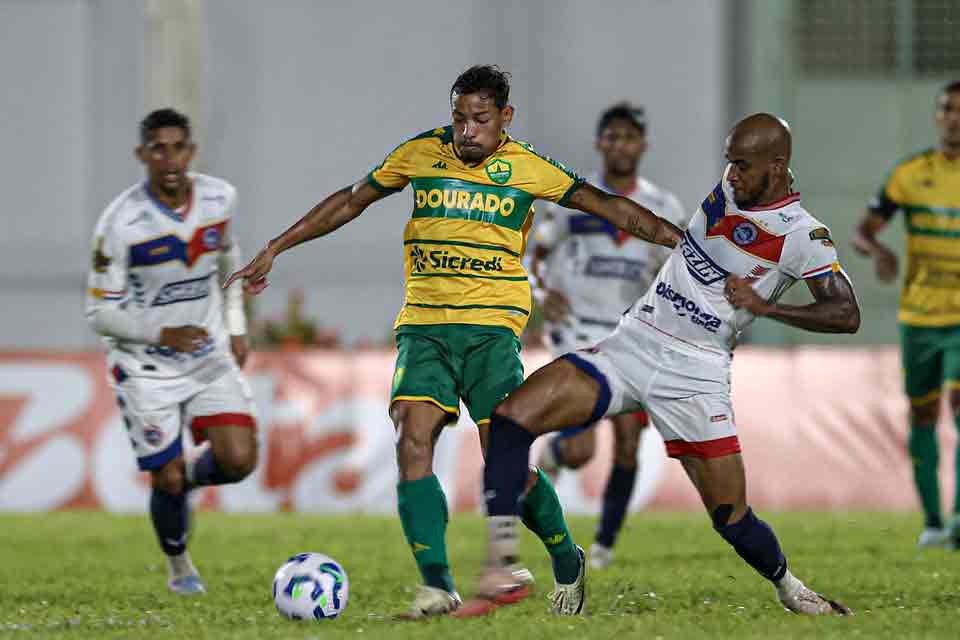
(600, 556)
(953, 533)
(187, 585)
(431, 601)
(183, 577)
(571, 599)
(796, 597)
(932, 537)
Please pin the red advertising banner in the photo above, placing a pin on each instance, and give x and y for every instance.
(820, 428)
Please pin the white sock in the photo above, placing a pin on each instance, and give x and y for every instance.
(181, 565)
(503, 538)
(788, 585)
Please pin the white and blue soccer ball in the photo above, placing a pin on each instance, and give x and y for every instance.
(311, 586)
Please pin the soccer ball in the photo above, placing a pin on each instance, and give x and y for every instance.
(310, 586)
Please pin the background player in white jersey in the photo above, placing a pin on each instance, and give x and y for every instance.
(749, 241)
(586, 272)
(160, 251)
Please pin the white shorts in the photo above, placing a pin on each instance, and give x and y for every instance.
(155, 425)
(573, 334)
(684, 389)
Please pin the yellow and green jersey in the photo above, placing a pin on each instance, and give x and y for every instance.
(468, 231)
(926, 187)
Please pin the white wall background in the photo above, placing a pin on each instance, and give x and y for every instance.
(304, 97)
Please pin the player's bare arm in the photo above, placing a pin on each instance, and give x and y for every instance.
(240, 348)
(554, 304)
(865, 243)
(625, 214)
(834, 310)
(333, 212)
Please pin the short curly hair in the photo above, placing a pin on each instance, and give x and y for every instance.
(487, 77)
(163, 118)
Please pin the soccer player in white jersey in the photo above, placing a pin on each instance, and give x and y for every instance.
(175, 342)
(585, 273)
(747, 243)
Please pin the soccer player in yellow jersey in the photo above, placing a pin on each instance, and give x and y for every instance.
(926, 187)
(467, 299)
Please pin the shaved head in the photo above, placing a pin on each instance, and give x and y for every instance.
(765, 134)
(758, 150)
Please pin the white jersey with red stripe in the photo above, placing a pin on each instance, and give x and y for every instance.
(598, 268)
(155, 268)
(772, 246)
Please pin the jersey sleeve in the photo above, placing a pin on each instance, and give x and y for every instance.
(230, 259)
(107, 308)
(393, 174)
(809, 253)
(552, 227)
(553, 181)
(890, 197)
(107, 274)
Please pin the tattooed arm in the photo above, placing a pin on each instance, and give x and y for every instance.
(834, 309)
(625, 214)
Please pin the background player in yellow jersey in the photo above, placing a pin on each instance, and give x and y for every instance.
(926, 187)
(467, 299)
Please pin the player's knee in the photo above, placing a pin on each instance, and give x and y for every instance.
(511, 409)
(240, 462)
(575, 461)
(169, 478)
(414, 447)
(576, 454)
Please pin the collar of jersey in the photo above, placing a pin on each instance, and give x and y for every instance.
(947, 163)
(167, 211)
(779, 204)
(609, 189)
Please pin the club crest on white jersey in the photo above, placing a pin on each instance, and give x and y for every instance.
(772, 246)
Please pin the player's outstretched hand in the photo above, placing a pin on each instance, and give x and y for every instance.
(885, 264)
(185, 339)
(741, 294)
(254, 275)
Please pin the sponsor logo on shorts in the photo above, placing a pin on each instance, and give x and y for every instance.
(685, 307)
(718, 418)
(699, 264)
(183, 291)
(620, 268)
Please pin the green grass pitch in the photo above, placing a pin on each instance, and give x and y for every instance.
(92, 575)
